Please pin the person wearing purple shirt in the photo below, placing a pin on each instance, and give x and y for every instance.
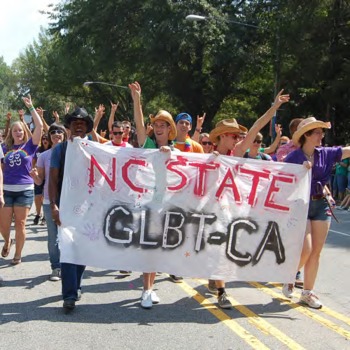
(19, 150)
(320, 160)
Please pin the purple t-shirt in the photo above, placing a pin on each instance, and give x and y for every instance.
(44, 160)
(18, 163)
(324, 159)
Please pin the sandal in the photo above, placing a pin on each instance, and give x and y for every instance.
(16, 261)
(6, 251)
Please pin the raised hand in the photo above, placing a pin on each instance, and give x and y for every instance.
(27, 101)
(200, 120)
(280, 99)
(135, 90)
(56, 116)
(114, 106)
(278, 129)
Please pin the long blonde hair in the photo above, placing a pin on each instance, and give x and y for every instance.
(9, 141)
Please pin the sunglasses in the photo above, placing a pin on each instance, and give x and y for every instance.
(117, 132)
(257, 141)
(204, 143)
(44, 139)
(54, 132)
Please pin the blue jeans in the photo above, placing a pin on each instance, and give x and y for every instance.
(71, 276)
(52, 245)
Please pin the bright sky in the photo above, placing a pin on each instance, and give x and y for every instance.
(20, 22)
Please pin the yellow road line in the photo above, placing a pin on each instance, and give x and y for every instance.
(324, 309)
(263, 325)
(343, 332)
(254, 342)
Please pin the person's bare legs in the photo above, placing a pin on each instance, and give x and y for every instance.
(319, 231)
(307, 246)
(148, 297)
(148, 280)
(21, 214)
(38, 202)
(6, 214)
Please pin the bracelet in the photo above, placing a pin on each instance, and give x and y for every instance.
(31, 109)
(199, 129)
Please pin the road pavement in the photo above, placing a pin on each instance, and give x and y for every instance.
(109, 315)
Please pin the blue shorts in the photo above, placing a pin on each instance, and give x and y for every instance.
(319, 210)
(19, 199)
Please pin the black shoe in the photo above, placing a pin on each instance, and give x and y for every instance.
(69, 305)
(43, 221)
(36, 220)
(176, 279)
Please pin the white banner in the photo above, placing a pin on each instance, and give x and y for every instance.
(188, 214)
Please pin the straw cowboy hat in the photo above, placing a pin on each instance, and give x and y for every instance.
(166, 117)
(224, 126)
(308, 124)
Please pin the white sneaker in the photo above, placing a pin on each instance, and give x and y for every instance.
(288, 290)
(310, 299)
(154, 297)
(146, 299)
(55, 275)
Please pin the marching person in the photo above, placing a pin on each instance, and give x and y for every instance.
(19, 149)
(309, 136)
(79, 124)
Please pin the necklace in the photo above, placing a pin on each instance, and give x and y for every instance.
(187, 144)
(310, 158)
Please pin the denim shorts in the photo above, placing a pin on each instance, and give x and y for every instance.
(319, 210)
(19, 199)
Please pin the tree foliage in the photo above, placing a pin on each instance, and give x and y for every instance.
(215, 66)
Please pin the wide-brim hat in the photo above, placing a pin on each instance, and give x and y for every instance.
(226, 126)
(166, 117)
(80, 113)
(306, 125)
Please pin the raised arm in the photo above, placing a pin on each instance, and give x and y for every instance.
(38, 124)
(135, 89)
(272, 148)
(41, 115)
(99, 112)
(198, 130)
(56, 116)
(246, 143)
(114, 108)
(8, 122)
(21, 118)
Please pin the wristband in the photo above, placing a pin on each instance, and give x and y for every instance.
(31, 109)
(199, 129)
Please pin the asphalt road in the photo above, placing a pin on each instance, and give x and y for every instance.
(109, 315)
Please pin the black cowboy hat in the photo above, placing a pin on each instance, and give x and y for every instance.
(79, 113)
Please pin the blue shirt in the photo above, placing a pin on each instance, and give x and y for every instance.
(324, 160)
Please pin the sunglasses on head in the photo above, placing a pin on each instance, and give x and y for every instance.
(54, 132)
(117, 133)
(204, 143)
(257, 141)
